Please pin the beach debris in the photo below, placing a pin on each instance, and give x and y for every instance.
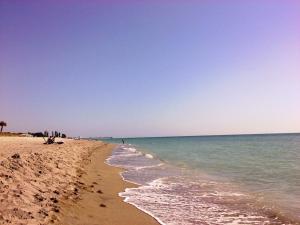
(79, 182)
(6, 176)
(54, 200)
(12, 163)
(17, 193)
(102, 205)
(43, 212)
(75, 192)
(39, 197)
(21, 214)
(56, 209)
(16, 156)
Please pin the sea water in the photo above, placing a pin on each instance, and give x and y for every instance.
(238, 179)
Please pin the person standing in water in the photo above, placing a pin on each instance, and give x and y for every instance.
(123, 141)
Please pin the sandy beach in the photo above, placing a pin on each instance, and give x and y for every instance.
(62, 184)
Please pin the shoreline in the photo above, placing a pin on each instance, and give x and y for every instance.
(133, 185)
(100, 204)
(63, 184)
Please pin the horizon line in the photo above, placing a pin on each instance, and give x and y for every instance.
(203, 135)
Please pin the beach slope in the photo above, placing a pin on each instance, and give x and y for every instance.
(62, 184)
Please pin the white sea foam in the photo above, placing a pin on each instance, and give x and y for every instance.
(148, 167)
(149, 156)
(130, 149)
(180, 204)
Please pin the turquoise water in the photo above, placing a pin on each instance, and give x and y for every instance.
(265, 168)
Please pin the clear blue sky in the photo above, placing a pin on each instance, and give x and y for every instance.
(150, 68)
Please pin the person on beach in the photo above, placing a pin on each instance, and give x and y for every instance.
(123, 141)
(50, 140)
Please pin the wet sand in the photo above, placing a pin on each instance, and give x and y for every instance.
(62, 184)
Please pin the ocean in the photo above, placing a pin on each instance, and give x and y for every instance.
(232, 179)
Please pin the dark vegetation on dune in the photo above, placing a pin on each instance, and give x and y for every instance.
(33, 134)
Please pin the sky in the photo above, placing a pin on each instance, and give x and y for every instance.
(135, 68)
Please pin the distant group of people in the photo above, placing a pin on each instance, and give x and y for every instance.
(54, 134)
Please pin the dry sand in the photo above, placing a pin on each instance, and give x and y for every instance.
(62, 184)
